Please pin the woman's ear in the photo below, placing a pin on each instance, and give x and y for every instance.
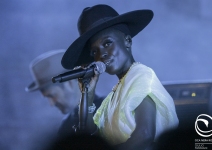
(128, 41)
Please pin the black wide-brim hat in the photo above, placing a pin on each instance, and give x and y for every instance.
(96, 18)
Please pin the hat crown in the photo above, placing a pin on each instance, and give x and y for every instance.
(97, 18)
(93, 16)
(44, 67)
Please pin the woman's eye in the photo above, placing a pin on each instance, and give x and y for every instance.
(107, 44)
(93, 53)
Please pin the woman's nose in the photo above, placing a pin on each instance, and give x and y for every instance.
(103, 54)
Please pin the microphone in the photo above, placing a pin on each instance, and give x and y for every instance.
(99, 67)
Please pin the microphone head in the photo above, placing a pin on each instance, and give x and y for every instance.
(100, 67)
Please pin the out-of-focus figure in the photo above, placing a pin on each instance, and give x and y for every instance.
(65, 96)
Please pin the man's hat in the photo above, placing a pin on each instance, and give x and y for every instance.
(96, 18)
(44, 67)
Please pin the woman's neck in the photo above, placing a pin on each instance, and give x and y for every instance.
(125, 69)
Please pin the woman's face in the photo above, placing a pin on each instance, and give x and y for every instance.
(109, 46)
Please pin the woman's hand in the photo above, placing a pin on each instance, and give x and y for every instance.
(91, 86)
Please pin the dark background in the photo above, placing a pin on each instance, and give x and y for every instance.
(176, 44)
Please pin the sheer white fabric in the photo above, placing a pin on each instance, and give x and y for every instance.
(115, 117)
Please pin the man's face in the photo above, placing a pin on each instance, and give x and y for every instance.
(61, 97)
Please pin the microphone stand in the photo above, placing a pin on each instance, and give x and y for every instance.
(83, 107)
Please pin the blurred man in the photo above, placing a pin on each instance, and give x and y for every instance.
(65, 96)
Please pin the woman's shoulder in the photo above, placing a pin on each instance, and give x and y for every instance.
(141, 70)
(143, 67)
(140, 75)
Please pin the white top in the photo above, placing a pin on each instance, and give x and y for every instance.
(115, 117)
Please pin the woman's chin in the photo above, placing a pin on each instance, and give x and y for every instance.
(110, 71)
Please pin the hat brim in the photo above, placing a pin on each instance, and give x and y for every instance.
(35, 86)
(76, 56)
(32, 87)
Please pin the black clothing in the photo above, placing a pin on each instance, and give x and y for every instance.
(66, 128)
